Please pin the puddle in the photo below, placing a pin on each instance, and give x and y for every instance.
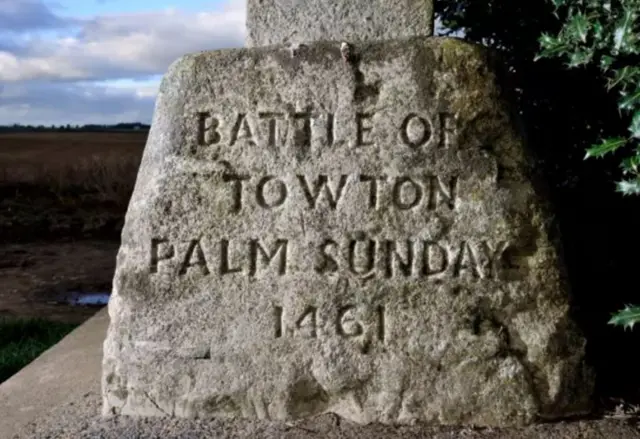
(84, 299)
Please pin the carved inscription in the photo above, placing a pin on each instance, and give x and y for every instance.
(364, 129)
(404, 192)
(224, 258)
(368, 258)
(160, 250)
(416, 131)
(412, 258)
(275, 129)
(447, 130)
(348, 321)
(270, 128)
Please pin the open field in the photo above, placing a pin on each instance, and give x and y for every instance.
(30, 157)
(75, 185)
(63, 197)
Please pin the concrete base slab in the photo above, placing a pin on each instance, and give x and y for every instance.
(58, 396)
(63, 373)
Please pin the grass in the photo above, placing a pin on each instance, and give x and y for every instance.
(103, 178)
(23, 340)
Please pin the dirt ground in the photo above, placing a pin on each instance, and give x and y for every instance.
(59, 150)
(63, 196)
(35, 278)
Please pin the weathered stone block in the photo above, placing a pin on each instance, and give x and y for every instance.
(302, 21)
(309, 234)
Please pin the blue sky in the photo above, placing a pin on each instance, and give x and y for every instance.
(90, 8)
(100, 61)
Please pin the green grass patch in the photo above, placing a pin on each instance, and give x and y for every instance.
(23, 340)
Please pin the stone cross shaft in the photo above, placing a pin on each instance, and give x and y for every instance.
(272, 22)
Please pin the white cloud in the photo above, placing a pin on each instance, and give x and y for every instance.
(58, 69)
(22, 15)
(140, 88)
(105, 69)
(39, 103)
(127, 45)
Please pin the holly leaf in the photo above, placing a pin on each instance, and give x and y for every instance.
(551, 47)
(580, 26)
(628, 187)
(623, 35)
(631, 165)
(598, 32)
(580, 57)
(606, 62)
(624, 75)
(629, 100)
(607, 146)
(557, 4)
(626, 318)
(634, 128)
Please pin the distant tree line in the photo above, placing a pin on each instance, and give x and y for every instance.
(70, 128)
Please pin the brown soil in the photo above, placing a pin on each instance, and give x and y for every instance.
(63, 197)
(59, 150)
(36, 277)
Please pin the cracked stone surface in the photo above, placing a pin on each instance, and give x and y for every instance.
(364, 236)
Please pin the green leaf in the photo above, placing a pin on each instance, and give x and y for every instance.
(594, 4)
(606, 62)
(607, 146)
(631, 165)
(629, 100)
(547, 40)
(579, 25)
(551, 53)
(551, 47)
(634, 128)
(626, 318)
(598, 31)
(624, 75)
(628, 187)
(580, 57)
(623, 36)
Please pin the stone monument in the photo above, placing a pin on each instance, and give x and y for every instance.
(349, 225)
(290, 21)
